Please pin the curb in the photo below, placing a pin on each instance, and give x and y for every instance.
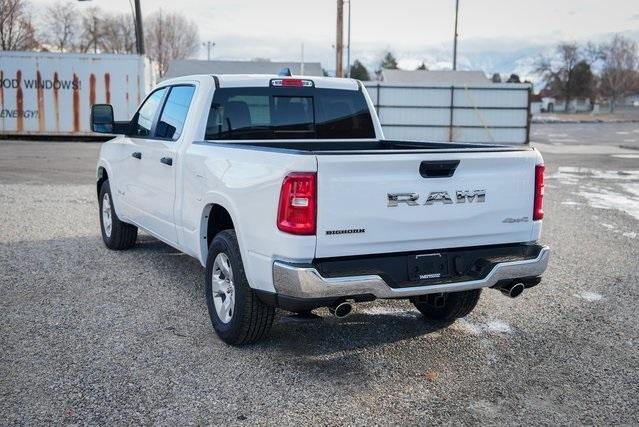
(562, 122)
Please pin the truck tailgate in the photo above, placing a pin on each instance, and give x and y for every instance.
(397, 202)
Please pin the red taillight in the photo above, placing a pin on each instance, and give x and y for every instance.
(292, 83)
(538, 207)
(296, 214)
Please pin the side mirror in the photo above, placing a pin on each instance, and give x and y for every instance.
(102, 118)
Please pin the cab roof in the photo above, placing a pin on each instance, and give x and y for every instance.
(264, 80)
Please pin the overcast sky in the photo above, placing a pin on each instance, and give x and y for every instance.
(414, 30)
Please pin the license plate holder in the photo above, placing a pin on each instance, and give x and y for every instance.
(427, 266)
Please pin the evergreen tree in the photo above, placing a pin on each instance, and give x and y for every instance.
(388, 62)
(359, 71)
(514, 78)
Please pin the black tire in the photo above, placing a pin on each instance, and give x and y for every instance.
(251, 319)
(447, 307)
(122, 235)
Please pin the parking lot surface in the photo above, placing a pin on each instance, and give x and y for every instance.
(95, 336)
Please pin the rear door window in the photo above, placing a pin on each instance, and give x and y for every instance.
(285, 113)
(174, 112)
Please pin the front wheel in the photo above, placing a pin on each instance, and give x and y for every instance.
(237, 314)
(447, 307)
(116, 234)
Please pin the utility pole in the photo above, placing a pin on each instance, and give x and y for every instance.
(348, 51)
(94, 30)
(339, 42)
(139, 34)
(209, 46)
(455, 40)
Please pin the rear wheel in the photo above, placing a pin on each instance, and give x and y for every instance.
(116, 234)
(237, 314)
(447, 307)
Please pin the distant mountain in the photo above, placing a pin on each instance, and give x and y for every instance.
(519, 61)
(490, 56)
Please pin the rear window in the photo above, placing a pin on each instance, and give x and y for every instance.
(288, 113)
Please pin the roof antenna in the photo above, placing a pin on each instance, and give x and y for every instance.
(286, 72)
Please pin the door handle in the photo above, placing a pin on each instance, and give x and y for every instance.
(167, 161)
(137, 155)
(438, 168)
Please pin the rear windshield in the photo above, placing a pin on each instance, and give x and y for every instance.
(288, 113)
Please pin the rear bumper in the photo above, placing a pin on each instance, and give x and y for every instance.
(306, 282)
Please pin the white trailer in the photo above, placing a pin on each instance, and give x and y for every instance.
(476, 113)
(43, 93)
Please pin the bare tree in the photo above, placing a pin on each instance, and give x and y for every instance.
(169, 36)
(91, 30)
(118, 34)
(567, 74)
(592, 53)
(60, 24)
(619, 74)
(16, 30)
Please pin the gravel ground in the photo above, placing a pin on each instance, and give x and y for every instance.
(92, 336)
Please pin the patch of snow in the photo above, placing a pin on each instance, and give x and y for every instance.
(632, 188)
(578, 173)
(606, 199)
(608, 226)
(490, 327)
(589, 296)
(563, 178)
(499, 327)
(379, 310)
(626, 156)
(571, 203)
(464, 325)
(630, 234)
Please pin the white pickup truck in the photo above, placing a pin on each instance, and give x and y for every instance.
(286, 191)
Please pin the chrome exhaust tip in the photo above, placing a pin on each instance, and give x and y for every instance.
(341, 309)
(513, 290)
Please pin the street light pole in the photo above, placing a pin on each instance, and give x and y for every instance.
(455, 40)
(209, 46)
(348, 51)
